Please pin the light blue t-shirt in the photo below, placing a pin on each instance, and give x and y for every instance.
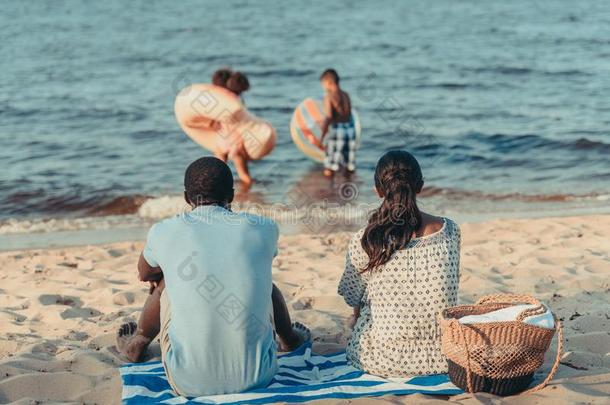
(217, 269)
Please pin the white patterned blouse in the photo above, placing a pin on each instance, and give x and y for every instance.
(396, 334)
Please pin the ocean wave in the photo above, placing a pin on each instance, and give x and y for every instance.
(47, 204)
(527, 142)
(75, 113)
(523, 71)
(316, 216)
(452, 193)
(221, 59)
(43, 225)
(587, 144)
(281, 73)
(449, 86)
(121, 205)
(167, 206)
(263, 111)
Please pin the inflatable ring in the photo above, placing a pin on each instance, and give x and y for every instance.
(306, 127)
(211, 115)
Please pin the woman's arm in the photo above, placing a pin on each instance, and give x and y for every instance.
(354, 318)
(352, 286)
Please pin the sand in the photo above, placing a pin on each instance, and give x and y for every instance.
(60, 308)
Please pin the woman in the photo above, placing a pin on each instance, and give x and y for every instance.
(401, 271)
(230, 144)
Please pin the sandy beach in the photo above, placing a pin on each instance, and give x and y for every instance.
(494, 114)
(60, 308)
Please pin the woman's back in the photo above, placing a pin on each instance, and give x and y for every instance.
(396, 333)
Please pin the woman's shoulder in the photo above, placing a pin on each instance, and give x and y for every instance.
(359, 233)
(431, 225)
(356, 239)
(355, 252)
(450, 229)
(436, 229)
(451, 226)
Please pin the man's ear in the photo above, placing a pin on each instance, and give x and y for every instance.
(186, 198)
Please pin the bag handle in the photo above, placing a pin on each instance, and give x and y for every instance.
(559, 330)
(549, 377)
(508, 299)
(515, 299)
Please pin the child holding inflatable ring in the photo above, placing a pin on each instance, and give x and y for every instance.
(341, 144)
(220, 128)
(231, 144)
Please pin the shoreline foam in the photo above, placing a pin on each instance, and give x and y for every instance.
(317, 218)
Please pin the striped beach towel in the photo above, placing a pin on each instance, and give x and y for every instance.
(302, 376)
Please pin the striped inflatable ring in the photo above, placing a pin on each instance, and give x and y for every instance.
(306, 126)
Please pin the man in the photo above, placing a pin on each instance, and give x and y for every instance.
(211, 292)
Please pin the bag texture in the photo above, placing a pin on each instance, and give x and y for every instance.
(497, 357)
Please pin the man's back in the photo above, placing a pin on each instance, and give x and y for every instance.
(217, 269)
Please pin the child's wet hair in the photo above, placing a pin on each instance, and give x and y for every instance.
(238, 83)
(208, 180)
(220, 77)
(330, 74)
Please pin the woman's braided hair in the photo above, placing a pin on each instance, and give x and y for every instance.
(398, 179)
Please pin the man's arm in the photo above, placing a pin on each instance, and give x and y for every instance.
(146, 272)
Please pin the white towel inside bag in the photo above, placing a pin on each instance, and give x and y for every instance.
(544, 320)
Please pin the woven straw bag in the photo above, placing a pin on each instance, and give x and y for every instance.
(497, 357)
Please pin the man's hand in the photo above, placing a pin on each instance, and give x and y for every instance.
(153, 286)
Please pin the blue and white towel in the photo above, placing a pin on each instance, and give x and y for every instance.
(302, 376)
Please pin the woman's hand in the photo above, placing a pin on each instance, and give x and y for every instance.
(354, 318)
(204, 123)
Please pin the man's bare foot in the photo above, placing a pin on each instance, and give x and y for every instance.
(130, 343)
(328, 173)
(300, 334)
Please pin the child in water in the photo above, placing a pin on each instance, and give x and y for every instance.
(341, 143)
(230, 144)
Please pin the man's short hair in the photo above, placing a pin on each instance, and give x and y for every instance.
(330, 74)
(208, 180)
